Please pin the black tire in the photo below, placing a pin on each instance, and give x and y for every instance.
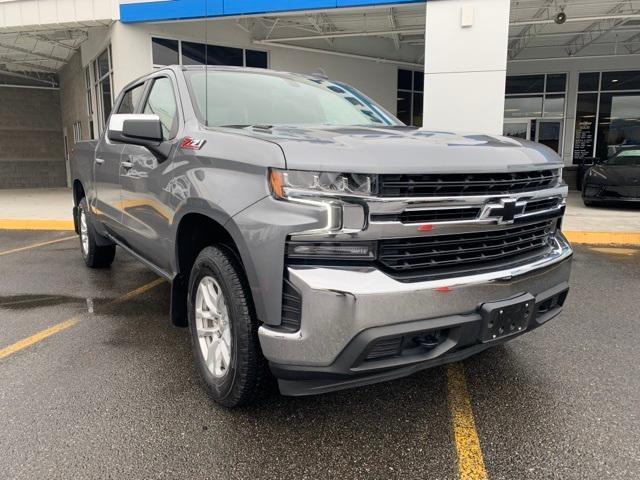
(94, 255)
(244, 379)
(587, 203)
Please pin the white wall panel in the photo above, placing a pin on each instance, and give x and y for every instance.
(43, 13)
(465, 65)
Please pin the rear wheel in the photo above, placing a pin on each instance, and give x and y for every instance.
(94, 255)
(224, 330)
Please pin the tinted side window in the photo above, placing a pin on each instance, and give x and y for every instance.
(162, 102)
(131, 99)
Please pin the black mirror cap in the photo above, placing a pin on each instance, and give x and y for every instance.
(143, 129)
(145, 132)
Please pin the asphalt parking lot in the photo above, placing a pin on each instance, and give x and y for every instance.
(112, 391)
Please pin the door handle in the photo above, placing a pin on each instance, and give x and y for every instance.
(126, 165)
(99, 161)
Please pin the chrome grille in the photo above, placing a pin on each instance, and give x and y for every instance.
(432, 215)
(467, 252)
(540, 205)
(460, 184)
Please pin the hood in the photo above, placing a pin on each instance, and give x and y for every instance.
(619, 175)
(401, 150)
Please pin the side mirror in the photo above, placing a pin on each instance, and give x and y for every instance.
(142, 130)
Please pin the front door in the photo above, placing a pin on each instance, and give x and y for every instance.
(144, 180)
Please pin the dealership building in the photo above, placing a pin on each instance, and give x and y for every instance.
(565, 73)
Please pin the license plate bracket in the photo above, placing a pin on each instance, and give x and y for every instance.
(506, 318)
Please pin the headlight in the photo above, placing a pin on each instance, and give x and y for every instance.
(285, 183)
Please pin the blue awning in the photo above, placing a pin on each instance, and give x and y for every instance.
(163, 10)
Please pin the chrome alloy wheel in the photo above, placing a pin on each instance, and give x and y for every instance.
(84, 233)
(213, 327)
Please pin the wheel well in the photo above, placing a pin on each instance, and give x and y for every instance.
(78, 192)
(195, 232)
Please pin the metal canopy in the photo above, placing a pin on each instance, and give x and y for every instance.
(396, 33)
(384, 33)
(38, 54)
(592, 28)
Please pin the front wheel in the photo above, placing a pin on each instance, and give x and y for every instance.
(94, 255)
(224, 330)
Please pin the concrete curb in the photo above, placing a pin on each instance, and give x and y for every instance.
(603, 238)
(575, 237)
(28, 224)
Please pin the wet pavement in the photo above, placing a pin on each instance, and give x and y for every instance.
(117, 396)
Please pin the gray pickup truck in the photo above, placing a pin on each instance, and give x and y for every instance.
(308, 233)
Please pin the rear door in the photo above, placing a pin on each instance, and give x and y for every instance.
(108, 168)
(107, 183)
(146, 179)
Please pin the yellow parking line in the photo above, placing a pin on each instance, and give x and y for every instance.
(470, 460)
(603, 238)
(36, 245)
(629, 252)
(59, 327)
(23, 224)
(16, 347)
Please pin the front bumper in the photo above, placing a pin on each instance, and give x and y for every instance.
(612, 194)
(345, 310)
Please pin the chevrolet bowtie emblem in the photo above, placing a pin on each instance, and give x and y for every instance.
(507, 212)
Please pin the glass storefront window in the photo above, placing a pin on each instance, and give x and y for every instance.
(409, 100)
(554, 106)
(535, 108)
(525, 84)
(517, 130)
(519, 107)
(546, 95)
(103, 64)
(619, 123)
(556, 82)
(621, 80)
(609, 118)
(256, 59)
(175, 52)
(589, 82)
(165, 51)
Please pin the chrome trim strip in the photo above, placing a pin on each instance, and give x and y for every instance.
(375, 230)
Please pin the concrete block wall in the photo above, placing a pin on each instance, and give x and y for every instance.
(31, 142)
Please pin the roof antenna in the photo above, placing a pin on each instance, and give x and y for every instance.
(206, 64)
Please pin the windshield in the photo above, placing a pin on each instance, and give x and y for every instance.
(228, 98)
(628, 157)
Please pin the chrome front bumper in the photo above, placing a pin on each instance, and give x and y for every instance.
(339, 303)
